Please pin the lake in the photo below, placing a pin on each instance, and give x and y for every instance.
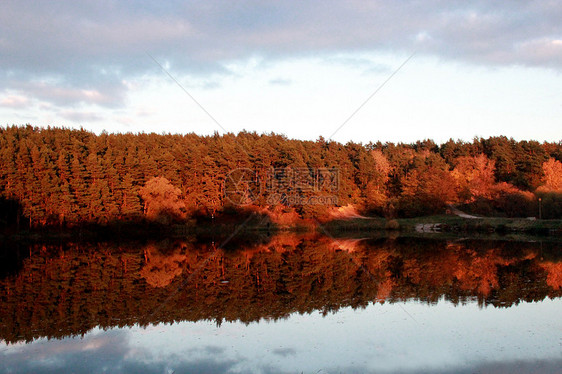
(295, 303)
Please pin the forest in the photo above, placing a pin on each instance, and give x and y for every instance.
(66, 177)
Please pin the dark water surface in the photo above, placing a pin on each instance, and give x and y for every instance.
(297, 304)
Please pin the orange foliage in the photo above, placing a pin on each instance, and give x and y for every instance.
(347, 245)
(348, 211)
(435, 270)
(283, 215)
(375, 197)
(480, 273)
(554, 274)
(162, 200)
(161, 269)
(475, 177)
(552, 175)
(381, 164)
(384, 290)
(427, 190)
(279, 244)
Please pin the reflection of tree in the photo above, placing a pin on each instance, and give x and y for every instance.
(554, 274)
(480, 273)
(160, 269)
(67, 290)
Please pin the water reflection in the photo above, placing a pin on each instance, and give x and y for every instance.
(380, 338)
(68, 290)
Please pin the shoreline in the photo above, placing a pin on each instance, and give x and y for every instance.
(454, 224)
(259, 231)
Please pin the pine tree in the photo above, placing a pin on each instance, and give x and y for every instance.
(130, 205)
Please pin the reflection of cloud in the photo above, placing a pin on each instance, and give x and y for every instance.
(67, 355)
(213, 350)
(239, 348)
(513, 367)
(284, 352)
(104, 352)
(111, 351)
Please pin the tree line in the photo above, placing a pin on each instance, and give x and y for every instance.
(60, 176)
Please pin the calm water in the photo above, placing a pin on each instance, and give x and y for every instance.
(295, 304)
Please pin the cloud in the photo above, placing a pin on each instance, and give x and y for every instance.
(48, 38)
(541, 50)
(77, 53)
(280, 82)
(80, 117)
(68, 95)
(14, 101)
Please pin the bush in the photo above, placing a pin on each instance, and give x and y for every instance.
(392, 225)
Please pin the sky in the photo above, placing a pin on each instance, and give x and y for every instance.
(361, 71)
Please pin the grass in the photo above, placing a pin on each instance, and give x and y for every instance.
(449, 223)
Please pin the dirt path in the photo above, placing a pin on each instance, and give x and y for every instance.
(348, 212)
(460, 213)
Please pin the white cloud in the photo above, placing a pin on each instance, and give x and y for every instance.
(80, 116)
(69, 96)
(280, 82)
(544, 51)
(68, 58)
(14, 101)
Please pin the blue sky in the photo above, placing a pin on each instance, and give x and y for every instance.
(479, 68)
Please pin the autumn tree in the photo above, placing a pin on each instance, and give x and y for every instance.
(475, 176)
(130, 205)
(428, 187)
(550, 192)
(68, 177)
(375, 191)
(162, 201)
(552, 174)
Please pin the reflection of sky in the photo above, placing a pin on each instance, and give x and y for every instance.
(409, 338)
